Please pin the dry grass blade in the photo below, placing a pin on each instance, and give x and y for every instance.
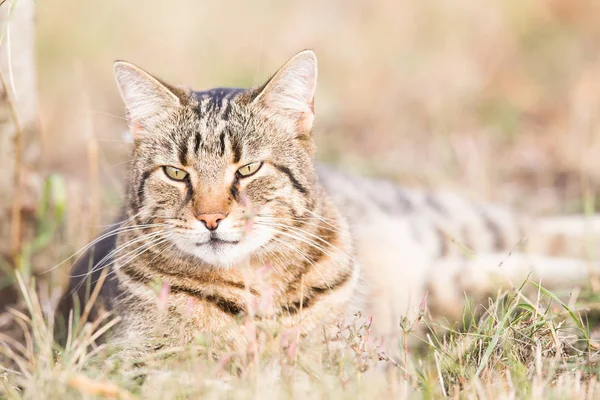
(15, 231)
(92, 300)
(92, 387)
(513, 338)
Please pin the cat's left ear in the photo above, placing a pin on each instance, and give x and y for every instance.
(290, 92)
(147, 99)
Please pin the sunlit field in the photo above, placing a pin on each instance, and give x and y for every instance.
(499, 102)
(521, 346)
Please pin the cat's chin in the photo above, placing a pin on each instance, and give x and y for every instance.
(221, 254)
(226, 251)
(229, 258)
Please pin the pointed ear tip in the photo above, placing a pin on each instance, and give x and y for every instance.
(119, 65)
(308, 54)
(124, 66)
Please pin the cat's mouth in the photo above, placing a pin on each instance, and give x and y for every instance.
(216, 242)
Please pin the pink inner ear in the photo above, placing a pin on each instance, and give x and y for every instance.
(136, 130)
(305, 122)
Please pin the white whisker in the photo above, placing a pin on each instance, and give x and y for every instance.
(304, 221)
(299, 252)
(320, 217)
(106, 235)
(154, 244)
(303, 232)
(100, 263)
(156, 237)
(310, 243)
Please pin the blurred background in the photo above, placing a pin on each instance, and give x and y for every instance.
(499, 100)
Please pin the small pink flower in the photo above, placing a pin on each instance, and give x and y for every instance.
(163, 296)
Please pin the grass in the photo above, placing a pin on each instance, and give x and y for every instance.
(519, 346)
(525, 343)
(516, 122)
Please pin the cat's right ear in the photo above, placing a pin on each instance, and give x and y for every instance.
(290, 93)
(146, 98)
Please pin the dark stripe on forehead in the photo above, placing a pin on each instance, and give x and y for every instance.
(222, 144)
(182, 149)
(236, 148)
(226, 111)
(297, 185)
(215, 100)
(218, 99)
(197, 141)
(228, 107)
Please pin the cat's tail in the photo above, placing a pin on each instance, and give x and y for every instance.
(466, 228)
(560, 253)
(566, 236)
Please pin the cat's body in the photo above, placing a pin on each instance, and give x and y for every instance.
(227, 215)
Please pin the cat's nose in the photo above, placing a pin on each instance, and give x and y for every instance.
(211, 221)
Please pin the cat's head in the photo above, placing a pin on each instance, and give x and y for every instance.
(221, 172)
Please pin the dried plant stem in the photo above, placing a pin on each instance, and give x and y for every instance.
(92, 387)
(92, 154)
(16, 223)
(93, 163)
(92, 300)
(299, 319)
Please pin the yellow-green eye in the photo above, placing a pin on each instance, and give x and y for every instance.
(249, 169)
(175, 173)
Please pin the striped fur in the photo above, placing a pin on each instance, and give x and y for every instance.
(278, 220)
(292, 236)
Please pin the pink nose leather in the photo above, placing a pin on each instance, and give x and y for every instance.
(211, 221)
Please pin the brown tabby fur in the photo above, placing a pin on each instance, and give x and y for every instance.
(300, 231)
(280, 218)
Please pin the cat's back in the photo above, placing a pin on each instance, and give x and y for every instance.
(401, 234)
(431, 217)
(359, 197)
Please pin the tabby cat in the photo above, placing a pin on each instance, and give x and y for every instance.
(226, 210)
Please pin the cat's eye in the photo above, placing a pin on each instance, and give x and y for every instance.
(249, 169)
(175, 173)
